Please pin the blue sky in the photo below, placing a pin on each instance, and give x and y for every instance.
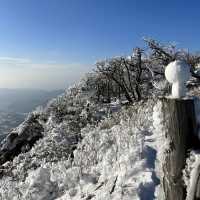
(50, 43)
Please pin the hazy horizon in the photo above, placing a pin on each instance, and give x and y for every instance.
(35, 89)
(19, 73)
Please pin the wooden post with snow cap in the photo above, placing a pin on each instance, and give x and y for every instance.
(178, 128)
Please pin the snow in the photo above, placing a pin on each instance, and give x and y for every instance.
(113, 161)
(178, 73)
(160, 85)
(159, 144)
(40, 186)
(191, 174)
(116, 161)
(120, 157)
(197, 71)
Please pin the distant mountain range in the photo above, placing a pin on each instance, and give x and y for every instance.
(16, 103)
(24, 100)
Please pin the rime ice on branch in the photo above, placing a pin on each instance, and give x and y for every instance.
(178, 73)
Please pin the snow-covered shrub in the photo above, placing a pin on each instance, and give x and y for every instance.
(40, 186)
(10, 189)
(113, 157)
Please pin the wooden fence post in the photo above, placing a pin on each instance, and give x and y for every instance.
(180, 126)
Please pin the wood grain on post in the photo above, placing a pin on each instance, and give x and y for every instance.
(180, 127)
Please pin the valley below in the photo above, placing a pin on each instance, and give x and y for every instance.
(15, 104)
(8, 121)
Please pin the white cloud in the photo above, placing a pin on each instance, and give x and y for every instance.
(14, 60)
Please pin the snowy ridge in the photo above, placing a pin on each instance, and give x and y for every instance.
(91, 151)
(113, 160)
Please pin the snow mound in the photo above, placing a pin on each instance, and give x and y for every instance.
(178, 73)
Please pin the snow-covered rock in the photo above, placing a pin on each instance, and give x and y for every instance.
(21, 139)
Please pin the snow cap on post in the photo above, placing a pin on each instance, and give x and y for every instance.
(178, 73)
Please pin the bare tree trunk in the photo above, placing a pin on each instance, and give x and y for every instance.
(98, 92)
(108, 91)
(119, 92)
(139, 73)
(180, 127)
